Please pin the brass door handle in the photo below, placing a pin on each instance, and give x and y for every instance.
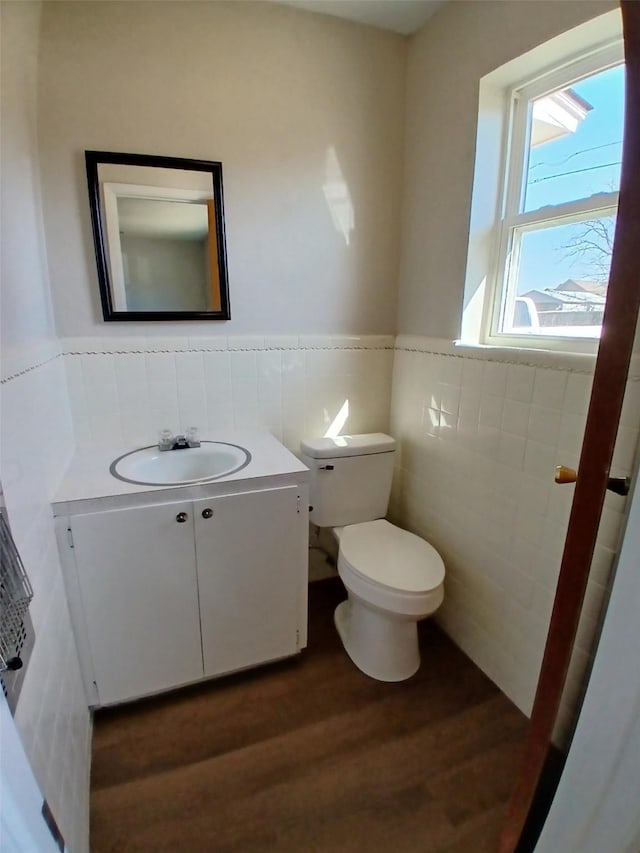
(565, 475)
(619, 485)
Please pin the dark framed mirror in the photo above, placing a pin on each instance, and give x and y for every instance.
(159, 235)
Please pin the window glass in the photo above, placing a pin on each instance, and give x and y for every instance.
(558, 278)
(557, 234)
(576, 141)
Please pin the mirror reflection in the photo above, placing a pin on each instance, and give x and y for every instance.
(159, 237)
(166, 260)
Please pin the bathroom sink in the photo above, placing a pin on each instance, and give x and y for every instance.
(149, 466)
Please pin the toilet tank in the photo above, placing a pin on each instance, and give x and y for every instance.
(350, 477)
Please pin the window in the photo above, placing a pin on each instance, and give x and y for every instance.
(561, 182)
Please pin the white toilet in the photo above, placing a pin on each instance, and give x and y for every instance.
(393, 577)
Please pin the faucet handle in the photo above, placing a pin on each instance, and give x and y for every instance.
(192, 436)
(165, 439)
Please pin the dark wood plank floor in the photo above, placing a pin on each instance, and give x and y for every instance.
(311, 756)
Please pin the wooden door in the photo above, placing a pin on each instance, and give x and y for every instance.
(248, 577)
(614, 355)
(137, 576)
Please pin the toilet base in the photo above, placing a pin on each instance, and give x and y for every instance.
(381, 645)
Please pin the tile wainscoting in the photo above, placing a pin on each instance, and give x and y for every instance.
(480, 433)
(52, 715)
(126, 389)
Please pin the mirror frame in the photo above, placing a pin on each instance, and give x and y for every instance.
(93, 159)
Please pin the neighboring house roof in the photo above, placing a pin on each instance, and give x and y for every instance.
(578, 298)
(571, 285)
(558, 299)
(556, 115)
(541, 298)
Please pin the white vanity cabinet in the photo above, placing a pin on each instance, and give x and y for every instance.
(166, 591)
(136, 575)
(248, 558)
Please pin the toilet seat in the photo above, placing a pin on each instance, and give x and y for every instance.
(383, 554)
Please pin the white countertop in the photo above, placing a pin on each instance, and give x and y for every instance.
(88, 477)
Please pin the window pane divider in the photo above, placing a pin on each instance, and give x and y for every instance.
(568, 211)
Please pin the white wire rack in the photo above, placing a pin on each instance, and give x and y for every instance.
(15, 596)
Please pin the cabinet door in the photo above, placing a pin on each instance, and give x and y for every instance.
(137, 577)
(249, 576)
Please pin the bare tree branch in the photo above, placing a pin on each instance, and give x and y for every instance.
(591, 248)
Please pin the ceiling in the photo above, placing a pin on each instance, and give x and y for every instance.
(399, 16)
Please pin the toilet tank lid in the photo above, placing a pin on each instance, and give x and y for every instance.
(348, 445)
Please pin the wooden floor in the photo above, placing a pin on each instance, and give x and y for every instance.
(309, 756)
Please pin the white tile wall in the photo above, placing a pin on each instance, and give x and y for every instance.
(52, 715)
(293, 386)
(479, 441)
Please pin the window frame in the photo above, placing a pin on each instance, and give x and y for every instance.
(519, 98)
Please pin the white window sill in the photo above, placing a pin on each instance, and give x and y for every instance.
(575, 362)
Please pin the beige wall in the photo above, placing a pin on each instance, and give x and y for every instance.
(293, 104)
(462, 42)
(26, 318)
(36, 441)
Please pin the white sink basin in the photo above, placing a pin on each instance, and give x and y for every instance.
(149, 466)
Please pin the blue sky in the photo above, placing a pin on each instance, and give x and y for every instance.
(576, 166)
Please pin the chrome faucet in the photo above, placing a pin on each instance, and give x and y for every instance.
(168, 441)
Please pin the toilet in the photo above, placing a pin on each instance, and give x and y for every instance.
(393, 578)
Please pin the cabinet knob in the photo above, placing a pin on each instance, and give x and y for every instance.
(207, 513)
(181, 517)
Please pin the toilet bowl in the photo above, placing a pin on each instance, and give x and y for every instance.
(393, 579)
